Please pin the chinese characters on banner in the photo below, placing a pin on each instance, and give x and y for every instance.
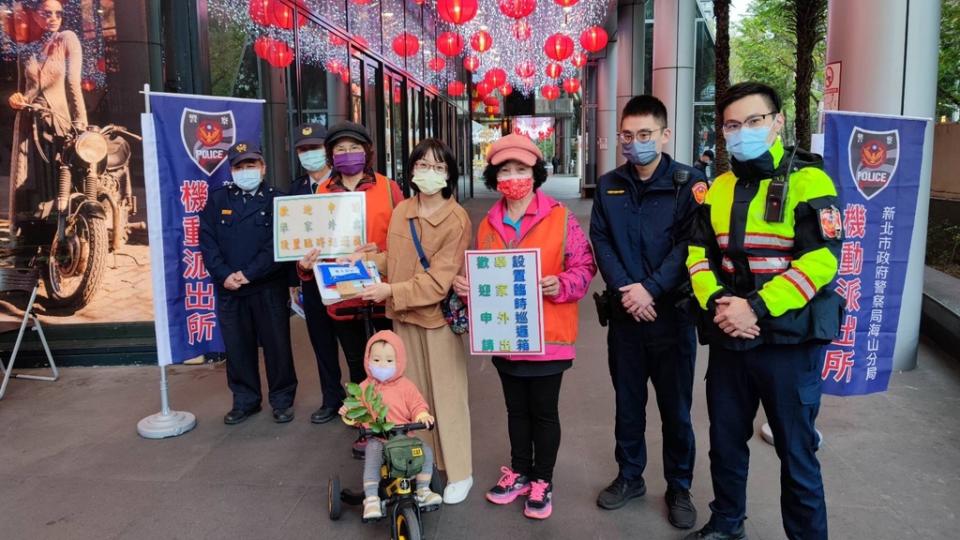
(186, 140)
(506, 307)
(875, 161)
(333, 222)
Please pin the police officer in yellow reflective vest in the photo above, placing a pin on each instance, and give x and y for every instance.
(762, 255)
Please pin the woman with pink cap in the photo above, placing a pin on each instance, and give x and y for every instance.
(528, 218)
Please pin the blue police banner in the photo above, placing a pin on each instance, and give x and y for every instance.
(875, 161)
(186, 141)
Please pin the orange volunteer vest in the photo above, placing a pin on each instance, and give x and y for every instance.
(379, 203)
(559, 320)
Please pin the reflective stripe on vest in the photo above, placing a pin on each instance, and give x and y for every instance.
(559, 320)
(379, 203)
(759, 265)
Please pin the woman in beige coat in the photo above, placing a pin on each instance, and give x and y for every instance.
(49, 76)
(437, 362)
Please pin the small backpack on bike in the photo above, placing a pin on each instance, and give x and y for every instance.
(403, 456)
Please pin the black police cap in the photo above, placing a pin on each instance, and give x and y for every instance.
(244, 150)
(309, 134)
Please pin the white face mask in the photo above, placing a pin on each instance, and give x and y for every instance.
(383, 374)
(429, 181)
(246, 179)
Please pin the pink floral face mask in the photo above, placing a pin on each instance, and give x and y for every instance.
(515, 187)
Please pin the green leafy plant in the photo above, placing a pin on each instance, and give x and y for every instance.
(366, 406)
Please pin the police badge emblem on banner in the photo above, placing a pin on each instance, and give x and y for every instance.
(876, 162)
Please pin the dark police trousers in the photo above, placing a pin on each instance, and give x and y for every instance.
(324, 332)
(786, 380)
(636, 355)
(263, 318)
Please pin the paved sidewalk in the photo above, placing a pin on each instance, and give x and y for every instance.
(73, 467)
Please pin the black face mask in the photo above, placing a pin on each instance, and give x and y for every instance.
(756, 169)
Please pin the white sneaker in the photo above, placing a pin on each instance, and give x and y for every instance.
(425, 497)
(457, 491)
(371, 508)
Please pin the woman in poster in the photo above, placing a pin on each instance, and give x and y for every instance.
(49, 74)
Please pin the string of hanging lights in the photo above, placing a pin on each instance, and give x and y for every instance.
(530, 46)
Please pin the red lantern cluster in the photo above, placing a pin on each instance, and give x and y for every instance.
(471, 63)
(274, 51)
(491, 101)
(457, 11)
(578, 60)
(554, 70)
(484, 88)
(406, 44)
(594, 39)
(276, 13)
(525, 69)
(496, 77)
(572, 86)
(517, 9)
(456, 88)
(450, 43)
(481, 41)
(566, 3)
(522, 30)
(437, 63)
(558, 47)
(550, 92)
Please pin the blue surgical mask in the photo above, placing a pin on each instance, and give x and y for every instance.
(748, 143)
(246, 179)
(313, 160)
(641, 153)
(383, 374)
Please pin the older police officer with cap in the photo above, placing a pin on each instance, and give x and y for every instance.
(309, 141)
(236, 238)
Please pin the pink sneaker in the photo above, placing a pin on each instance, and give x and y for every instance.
(540, 503)
(510, 486)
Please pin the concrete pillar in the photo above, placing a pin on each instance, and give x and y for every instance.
(631, 30)
(607, 126)
(906, 36)
(673, 63)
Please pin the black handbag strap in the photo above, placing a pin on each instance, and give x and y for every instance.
(416, 243)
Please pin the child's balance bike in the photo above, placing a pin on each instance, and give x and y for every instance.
(402, 462)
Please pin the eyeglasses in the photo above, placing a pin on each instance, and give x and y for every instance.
(733, 126)
(643, 135)
(47, 14)
(423, 166)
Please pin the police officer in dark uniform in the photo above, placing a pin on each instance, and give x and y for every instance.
(236, 238)
(323, 336)
(762, 255)
(641, 219)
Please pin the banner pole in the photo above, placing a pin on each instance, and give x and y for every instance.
(165, 423)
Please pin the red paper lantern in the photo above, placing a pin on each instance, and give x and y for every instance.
(578, 60)
(450, 43)
(259, 11)
(550, 92)
(554, 70)
(572, 86)
(261, 47)
(525, 69)
(276, 13)
(481, 41)
(437, 63)
(566, 3)
(594, 39)
(558, 47)
(337, 41)
(517, 9)
(484, 89)
(522, 30)
(496, 76)
(493, 111)
(457, 11)
(406, 44)
(506, 90)
(456, 88)
(491, 101)
(471, 63)
(277, 53)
